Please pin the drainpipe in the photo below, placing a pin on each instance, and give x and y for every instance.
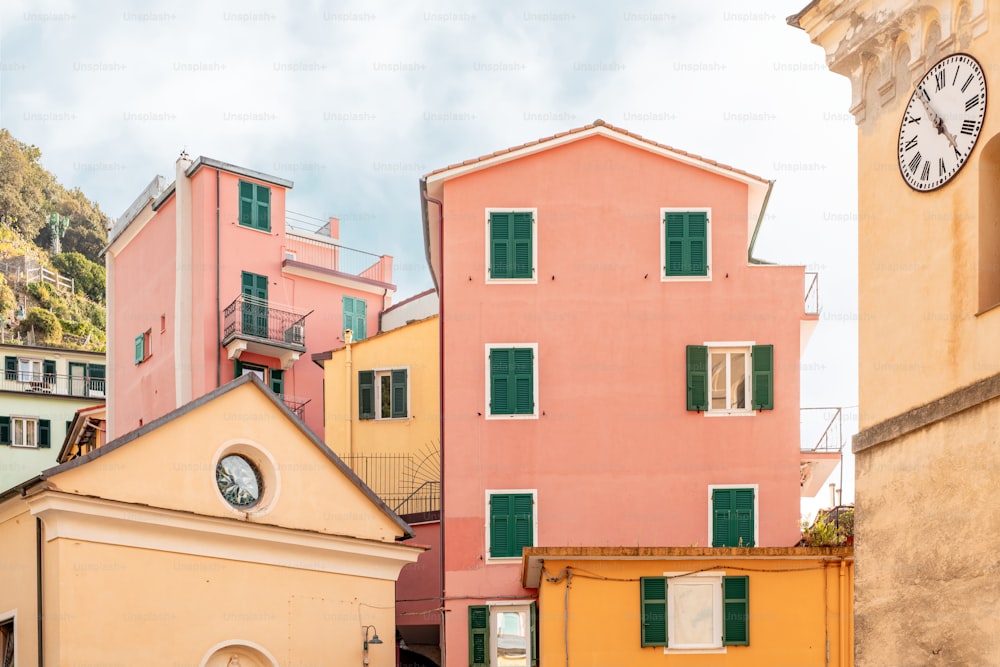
(439, 284)
(385, 293)
(348, 335)
(218, 282)
(38, 586)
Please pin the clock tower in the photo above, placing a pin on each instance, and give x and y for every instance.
(928, 447)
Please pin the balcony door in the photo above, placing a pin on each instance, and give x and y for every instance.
(254, 304)
(77, 379)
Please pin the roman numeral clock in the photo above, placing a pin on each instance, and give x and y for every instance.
(942, 122)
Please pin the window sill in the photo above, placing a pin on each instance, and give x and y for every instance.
(512, 281)
(256, 229)
(502, 560)
(516, 417)
(730, 413)
(24, 446)
(685, 279)
(693, 651)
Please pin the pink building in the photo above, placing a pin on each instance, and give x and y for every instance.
(617, 368)
(207, 282)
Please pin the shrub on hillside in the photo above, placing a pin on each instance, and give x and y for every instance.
(45, 325)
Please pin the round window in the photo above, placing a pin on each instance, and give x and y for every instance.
(239, 481)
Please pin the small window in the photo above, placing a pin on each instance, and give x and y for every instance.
(511, 523)
(255, 206)
(685, 246)
(163, 324)
(143, 346)
(511, 245)
(503, 634)
(356, 317)
(733, 517)
(730, 379)
(25, 432)
(29, 370)
(383, 394)
(512, 377)
(697, 611)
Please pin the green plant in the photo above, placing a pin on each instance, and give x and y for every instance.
(833, 528)
(45, 325)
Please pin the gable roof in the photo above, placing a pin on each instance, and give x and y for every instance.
(193, 405)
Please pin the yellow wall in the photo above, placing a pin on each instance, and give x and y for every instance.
(17, 578)
(414, 346)
(792, 614)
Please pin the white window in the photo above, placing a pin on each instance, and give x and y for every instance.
(511, 631)
(29, 370)
(694, 611)
(392, 394)
(24, 431)
(729, 381)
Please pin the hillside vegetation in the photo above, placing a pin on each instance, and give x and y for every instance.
(48, 298)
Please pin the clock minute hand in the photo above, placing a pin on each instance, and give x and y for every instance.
(936, 120)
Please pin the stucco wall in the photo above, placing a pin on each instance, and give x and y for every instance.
(18, 579)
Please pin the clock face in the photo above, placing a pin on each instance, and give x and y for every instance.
(239, 481)
(942, 122)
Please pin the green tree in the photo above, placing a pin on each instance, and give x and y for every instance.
(45, 326)
(89, 276)
(24, 185)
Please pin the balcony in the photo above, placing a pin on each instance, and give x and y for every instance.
(316, 257)
(296, 405)
(810, 309)
(820, 458)
(408, 484)
(80, 386)
(256, 325)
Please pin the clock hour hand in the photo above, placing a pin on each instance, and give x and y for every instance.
(936, 120)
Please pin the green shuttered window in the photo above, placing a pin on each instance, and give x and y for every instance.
(140, 349)
(4, 430)
(511, 245)
(366, 394)
(355, 317)
(686, 243)
(719, 373)
(732, 517)
(516, 629)
(512, 381)
(10, 368)
(383, 394)
(736, 611)
(511, 524)
(255, 206)
(479, 636)
(653, 608)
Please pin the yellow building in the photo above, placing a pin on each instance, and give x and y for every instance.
(382, 410)
(679, 606)
(224, 533)
(928, 449)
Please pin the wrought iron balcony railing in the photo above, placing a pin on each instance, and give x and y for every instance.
(408, 484)
(296, 405)
(83, 386)
(256, 319)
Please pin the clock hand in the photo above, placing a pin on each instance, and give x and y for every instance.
(936, 120)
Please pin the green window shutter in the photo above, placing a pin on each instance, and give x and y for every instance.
(742, 526)
(399, 393)
(44, 433)
(500, 249)
(4, 430)
(522, 522)
(237, 368)
(49, 370)
(722, 518)
(500, 526)
(697, 377)
(348, 308)
(653, 610)
(278, 381)
(686, 241)
(246, 204)
(524, 381)
(479, 636)
(501, 363)
(262, 207)
(762, 360)
(10, 368)
(521, 243)
(139, 349)
(360, 319)
(736, 611)
(366, 394)
(533, 617)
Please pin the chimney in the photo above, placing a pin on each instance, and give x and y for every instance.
(331, 228)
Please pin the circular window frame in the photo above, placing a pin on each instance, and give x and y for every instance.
(267, 472)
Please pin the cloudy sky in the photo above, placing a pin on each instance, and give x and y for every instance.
(354, 101)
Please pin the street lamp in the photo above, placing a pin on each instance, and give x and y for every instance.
(374, 640)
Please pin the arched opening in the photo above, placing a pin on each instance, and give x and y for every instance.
(238, 653)
(989, 225)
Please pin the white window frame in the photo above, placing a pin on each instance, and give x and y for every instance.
(756, 509)
(11, 615)
(534, 246)
(746, 347)
(708, 245)
(26, 422)
(534, 523)
(487, 411)
(677, 580)
(509, 605)
(28, 374)
(383, 372)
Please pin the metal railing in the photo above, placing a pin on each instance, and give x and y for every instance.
(41, 274)
(51, 383)
(812, 293)
(399, 481)
(250, 317)
(296, 405)
(828, 422)
(339, 258)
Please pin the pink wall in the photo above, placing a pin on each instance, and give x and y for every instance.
(421, 580)
(144, 281)
(614, 455)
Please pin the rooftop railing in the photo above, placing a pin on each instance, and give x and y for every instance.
(812, 293)
(335, 257)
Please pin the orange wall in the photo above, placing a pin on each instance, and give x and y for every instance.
(614, 455)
